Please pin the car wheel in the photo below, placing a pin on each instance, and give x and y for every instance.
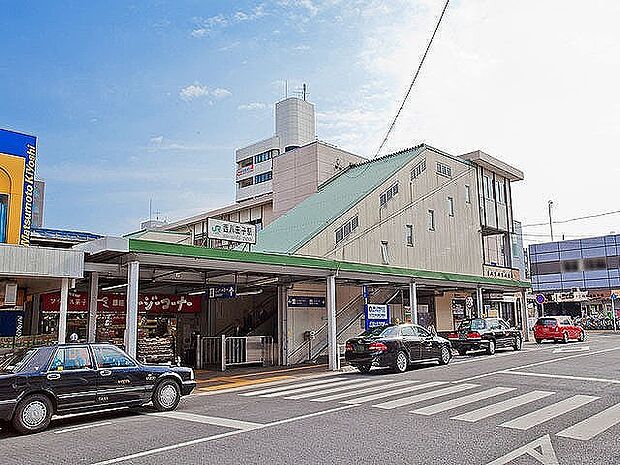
(491, 348)
(582, 336)
(462, 351)
(33, 414)
(364, 368)
(518, 343)
(445, 355)
(167, 395)
(401, 363)
(538, 341)
(565, 337)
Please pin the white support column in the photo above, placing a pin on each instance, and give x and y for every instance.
(526, 330)
(64, 301)
(282, 326)
(332, 346)
(479, 302)
(131, 320)
(93, 296)
(413, 302)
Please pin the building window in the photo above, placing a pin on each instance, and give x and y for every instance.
(4, 216)
(386, 196)
(487, 185)
(418, 169)
(385, 253)
(450, 206)
(467, 194)
(444, 170)
(409, 235)
(431, 220)
(268, 155)
(500, 191)
(263, 177)
(346, 229)
(245, 183)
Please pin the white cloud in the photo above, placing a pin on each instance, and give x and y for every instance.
(197, 90)
(205, 26)
(252, 106)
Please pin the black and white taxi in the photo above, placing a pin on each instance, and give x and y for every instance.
(70, 378)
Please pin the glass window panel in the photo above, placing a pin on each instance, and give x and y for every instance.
(614, 282)
(547, 268)
(548, 278)
(110, 357)
(611, 250)
(595, 274)
(549, 286)
(610, 240)
(549, 247)
(593, 252)
(614, 273)
(570, 254)
(533, 257)
(592, 242)
(597, 283)
(549, 257)
(568, 285)
(572, 276)
(570, 245)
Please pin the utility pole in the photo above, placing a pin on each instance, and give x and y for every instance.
(550, 220)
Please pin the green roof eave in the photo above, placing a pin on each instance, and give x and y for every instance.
(190, 251)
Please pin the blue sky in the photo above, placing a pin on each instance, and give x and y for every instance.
(147, 100)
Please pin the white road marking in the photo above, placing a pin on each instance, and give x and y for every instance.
(500, 407)
(565, 350)
(381, 395)
(530, 365)
(215, 421)
(79, 428)
(263, 385)
(307, 388)
(288, 386)
(356, 392)
(594, 425)
(194, 442)
(541, 450)
(459, 401)
(350, 388)
(549, 375)
(424, 396)
(549, 412)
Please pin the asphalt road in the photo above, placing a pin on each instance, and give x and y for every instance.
(550, 404)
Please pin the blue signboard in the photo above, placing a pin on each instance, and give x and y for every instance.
(227, 291)
(11, 323)
(376, 315)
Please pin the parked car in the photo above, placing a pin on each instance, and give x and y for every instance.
(485, 333)
(557, 328)
(69, 378)
(396, 346)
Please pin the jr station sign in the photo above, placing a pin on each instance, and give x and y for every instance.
(18, 156)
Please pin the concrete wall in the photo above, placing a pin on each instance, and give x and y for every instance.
(297, 174)
(295, 122)
(454, 246)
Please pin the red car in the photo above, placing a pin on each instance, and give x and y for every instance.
(557, 328)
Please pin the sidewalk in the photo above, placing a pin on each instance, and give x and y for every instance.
(212, 380)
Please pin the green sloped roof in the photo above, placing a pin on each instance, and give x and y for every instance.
(295, 228)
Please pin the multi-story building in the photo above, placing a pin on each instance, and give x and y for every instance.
(577, 277)
(420, 208)
(275, 174)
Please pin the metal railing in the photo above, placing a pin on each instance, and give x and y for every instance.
(237, 351)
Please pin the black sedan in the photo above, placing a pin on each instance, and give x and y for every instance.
(70, 378)
(486, 334)
(396, 346)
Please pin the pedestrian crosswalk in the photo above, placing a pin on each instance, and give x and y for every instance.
(518, 410)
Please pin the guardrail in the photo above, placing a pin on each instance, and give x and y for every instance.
(236, 351)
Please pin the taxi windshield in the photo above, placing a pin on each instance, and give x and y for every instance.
(14, 361)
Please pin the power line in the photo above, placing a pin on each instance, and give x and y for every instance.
(598, 215)
(415, 76)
